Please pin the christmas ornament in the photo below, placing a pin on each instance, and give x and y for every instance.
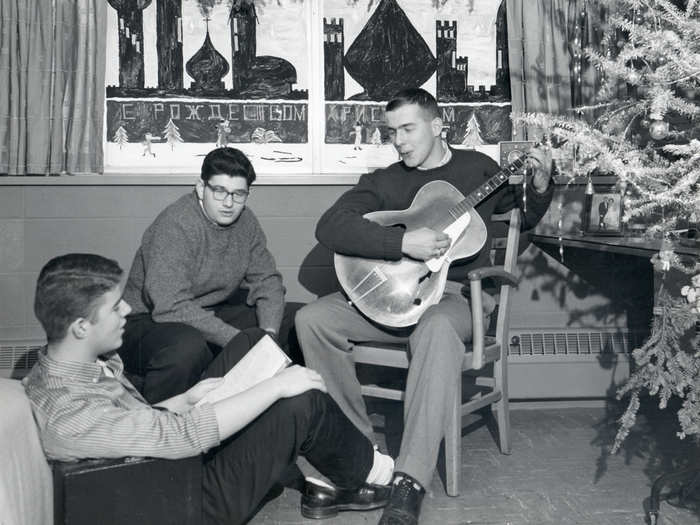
(692, 292)
(589, 187)
(671, 36)
(633, 77)
(658, 130)
(662, 261)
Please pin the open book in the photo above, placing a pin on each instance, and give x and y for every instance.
(261, 362)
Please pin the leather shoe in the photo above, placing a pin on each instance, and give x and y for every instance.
(320, 501)
(404, 503)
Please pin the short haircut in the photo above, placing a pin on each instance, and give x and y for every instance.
(227, 161)
(414, 96)
(69, 287)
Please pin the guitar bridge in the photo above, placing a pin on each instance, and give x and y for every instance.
(368, 284)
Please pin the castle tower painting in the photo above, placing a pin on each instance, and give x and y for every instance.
(256, 76)
(243, 43)
(333, 58)
(169, 43)
(502, 67)
(451, 81)
(130, 13)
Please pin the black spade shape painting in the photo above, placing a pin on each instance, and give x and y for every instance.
(457, 51)
(389, 54)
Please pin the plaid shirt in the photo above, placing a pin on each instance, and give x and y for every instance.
(83, 413)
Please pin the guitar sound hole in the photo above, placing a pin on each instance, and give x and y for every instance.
(417, 301)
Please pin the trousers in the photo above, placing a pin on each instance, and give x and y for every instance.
(241, 470)
(165, 359)
(328, 329)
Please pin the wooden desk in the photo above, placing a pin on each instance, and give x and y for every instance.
(673, 279)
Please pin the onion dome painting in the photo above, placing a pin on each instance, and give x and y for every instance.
(389, 54)
(207, 67)
(268, 76)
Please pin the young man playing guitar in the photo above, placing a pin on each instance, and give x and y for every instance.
(328, 326)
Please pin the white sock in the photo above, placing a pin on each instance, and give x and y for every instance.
(320, 482)
(382, 469)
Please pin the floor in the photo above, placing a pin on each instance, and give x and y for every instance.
(560, 473)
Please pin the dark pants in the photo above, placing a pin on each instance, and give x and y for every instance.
(240, 472)
(165, 359)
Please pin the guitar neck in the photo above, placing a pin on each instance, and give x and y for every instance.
(486, 189)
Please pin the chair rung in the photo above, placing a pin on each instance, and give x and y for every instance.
(485, 381)
(372, 355)
(480, 402)
(396, 357)
(381, 392)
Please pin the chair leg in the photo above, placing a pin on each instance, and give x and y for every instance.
(502, 408)
(453, 445)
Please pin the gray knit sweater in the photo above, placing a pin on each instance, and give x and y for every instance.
(187, 263)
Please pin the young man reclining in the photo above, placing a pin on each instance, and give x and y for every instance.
(86, 408)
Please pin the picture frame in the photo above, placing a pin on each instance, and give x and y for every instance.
(603, 211)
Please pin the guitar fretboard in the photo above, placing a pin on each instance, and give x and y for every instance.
(486, 189)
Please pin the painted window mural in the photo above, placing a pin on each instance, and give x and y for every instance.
(186, 76)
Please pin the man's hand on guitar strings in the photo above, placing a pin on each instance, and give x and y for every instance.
(424, 244)
(540, 160)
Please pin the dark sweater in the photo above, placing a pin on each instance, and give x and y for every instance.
(187, 263)
(342, 228)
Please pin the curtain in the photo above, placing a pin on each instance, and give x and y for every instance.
(52, 56)
(547, 72)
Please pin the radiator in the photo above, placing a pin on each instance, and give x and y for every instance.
(17, 358)
(574, 341)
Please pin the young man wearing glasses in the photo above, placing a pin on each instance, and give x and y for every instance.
(189, 279)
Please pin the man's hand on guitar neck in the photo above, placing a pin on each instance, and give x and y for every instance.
(540, 159)
(424, 244)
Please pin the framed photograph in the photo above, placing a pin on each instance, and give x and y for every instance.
(603, 211)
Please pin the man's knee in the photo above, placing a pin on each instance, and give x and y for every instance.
(186, 349)
(439, 330)
(304, 406)
(434, 321)
(306, 316)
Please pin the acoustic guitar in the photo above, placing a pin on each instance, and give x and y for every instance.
(396, 293)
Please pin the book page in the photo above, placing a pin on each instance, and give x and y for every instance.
(261, 362)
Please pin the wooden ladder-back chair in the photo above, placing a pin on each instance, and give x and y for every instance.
(482, 350)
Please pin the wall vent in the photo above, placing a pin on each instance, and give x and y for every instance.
(574, 342)
(17, 359)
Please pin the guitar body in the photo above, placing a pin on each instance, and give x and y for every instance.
(396, 293)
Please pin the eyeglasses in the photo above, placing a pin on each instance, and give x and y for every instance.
(220, 193)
